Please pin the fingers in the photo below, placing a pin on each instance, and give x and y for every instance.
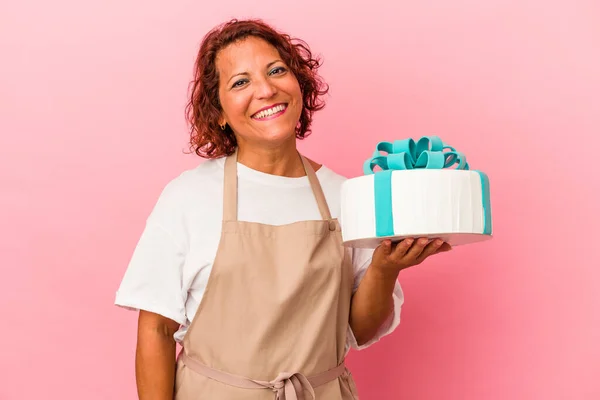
(408, 252)
(417, 248)
(401, 249)
(432, 248)
(444, 247)
(420, 249)
(384, 249)
(382, 252)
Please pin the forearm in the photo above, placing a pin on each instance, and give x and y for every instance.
(372, 303)
(155, 364)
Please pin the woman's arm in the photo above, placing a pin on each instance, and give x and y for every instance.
(155, 357)
(372, 302)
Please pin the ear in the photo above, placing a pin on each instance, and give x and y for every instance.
(222, 119)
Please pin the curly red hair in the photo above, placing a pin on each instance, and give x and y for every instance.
(203, 110)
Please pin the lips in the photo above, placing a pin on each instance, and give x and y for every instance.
(270, 111)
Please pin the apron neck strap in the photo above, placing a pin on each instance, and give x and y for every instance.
(230, 188)
(316, 189)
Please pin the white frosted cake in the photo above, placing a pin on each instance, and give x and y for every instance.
(416, 194)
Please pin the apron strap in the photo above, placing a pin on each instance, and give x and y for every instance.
(317, 189)
(230, 188)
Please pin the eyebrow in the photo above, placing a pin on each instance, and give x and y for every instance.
(246, 73)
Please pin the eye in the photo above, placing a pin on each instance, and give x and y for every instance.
(239, 83)
(279, 70)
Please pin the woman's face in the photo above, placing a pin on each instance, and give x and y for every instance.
(260, 96)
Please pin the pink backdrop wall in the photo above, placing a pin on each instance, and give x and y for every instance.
(91, 122)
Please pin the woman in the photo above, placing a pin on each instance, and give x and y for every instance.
(241, 260)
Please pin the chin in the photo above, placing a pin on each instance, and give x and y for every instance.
(280, 137)
(277, 132)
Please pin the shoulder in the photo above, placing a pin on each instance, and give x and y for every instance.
(190, 188)
(327, 176)
(206, 175)
(207, 172)
(331, 182)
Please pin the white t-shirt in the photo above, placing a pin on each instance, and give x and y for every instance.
(171, 263)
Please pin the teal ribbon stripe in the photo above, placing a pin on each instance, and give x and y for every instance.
(429, 152)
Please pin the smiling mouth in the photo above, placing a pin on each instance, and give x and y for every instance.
(269, 113)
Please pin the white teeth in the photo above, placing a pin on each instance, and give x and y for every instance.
(270, 111)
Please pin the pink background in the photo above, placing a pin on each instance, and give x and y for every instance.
(91, 103)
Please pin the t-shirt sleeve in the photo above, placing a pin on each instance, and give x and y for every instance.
(361, 258)
(153, 278)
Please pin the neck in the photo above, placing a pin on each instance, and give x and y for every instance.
(282, 159)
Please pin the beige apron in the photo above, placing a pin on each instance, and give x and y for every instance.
(273, 320)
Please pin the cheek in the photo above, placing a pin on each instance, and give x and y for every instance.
(298, 96)
(235, 107)
(300, 100)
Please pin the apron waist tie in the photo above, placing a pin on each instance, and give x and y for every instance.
(287, 386)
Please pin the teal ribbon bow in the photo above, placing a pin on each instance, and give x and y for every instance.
(429, 152)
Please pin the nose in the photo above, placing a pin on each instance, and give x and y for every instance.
(264, 89)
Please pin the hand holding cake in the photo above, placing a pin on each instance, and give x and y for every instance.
(394, 257)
